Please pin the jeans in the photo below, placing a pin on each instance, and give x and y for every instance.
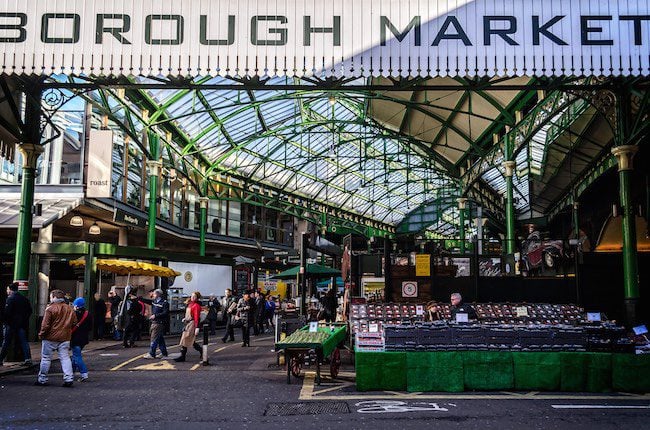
(78, 361)
(9, 334)
(157, 332)
(63, 349)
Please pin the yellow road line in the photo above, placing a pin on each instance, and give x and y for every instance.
(196, 366)
(129, 361)
(220, 349)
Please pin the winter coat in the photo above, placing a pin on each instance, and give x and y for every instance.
(160, 310)
(57, 322)
(191, 320)
(80, 333)
(228, 301)
(260, 305)
(17, 311)
(245, 312)
(99, 313)
(213, 307)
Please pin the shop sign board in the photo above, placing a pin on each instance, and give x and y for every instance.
(100, 164)
(422, 265)
(133, 220)
(409, 289)
(397, 38)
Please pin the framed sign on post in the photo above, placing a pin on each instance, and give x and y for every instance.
(409, 289)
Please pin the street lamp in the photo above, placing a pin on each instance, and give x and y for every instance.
(94, 229)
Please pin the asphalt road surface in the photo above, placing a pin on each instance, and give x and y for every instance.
(244, 388)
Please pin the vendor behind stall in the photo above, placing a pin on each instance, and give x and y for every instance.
(433, 312)
(458, 307)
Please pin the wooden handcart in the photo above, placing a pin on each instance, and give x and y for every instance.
(296, 349)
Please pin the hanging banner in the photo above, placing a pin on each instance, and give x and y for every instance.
(325, 37)
(422, 265)
(100, 164)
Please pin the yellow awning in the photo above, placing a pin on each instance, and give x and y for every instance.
(126, 267)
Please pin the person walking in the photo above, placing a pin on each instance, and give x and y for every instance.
(260, 312)
(269, 313)
(79, 338)
(16, 318)
(133, 325)
(230, 309)
(159, 314)
(213, 309)
(253, 311)
(114, 299)
(245, 313)
(99, 317)
(55, 334)
(191, 329)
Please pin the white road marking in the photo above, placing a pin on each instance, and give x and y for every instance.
(109, 355)
(600, 407)
(394, 406)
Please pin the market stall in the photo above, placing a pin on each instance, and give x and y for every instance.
(313, 343)
(511, 346)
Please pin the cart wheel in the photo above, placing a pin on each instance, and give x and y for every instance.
(335, 363)
(296, 365)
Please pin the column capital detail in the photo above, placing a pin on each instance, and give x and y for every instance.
(154, 167)
(461, 202)
(203, 202)
(624, 155)
(509, 168)
(30, 153)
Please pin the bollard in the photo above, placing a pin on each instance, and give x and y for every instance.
(204, 356)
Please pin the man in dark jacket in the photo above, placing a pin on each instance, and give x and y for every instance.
(159, 314)
(79, 338)
(245, 311)
(135, 313)
(260, 306)
(213, 308)
(99, 317)
(230, 309)
(16, 316)
(458, 307)
(114, 299)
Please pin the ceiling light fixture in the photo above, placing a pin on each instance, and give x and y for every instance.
(77, 221)
(94, 229)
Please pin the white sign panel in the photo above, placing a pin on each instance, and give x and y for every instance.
(208, 279)
(100, 163)
(325, 38)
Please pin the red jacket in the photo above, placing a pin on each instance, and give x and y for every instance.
(195, 311)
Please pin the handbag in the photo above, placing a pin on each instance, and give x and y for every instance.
(236, 321)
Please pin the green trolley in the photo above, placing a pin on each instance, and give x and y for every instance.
(326, 342)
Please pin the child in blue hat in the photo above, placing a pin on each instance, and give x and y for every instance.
(79, 339)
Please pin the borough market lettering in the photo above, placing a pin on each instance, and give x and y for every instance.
(272, 30)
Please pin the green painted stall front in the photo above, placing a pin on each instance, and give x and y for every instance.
(495, 371)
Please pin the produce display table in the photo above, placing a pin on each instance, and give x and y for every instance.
(324, 343)
(455, 371)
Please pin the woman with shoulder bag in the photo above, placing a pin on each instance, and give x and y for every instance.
(191, 329)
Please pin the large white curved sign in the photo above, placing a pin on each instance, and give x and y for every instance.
(326, 37)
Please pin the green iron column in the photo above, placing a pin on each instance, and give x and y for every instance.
(624, 155)
(203, 202)
(154, 167)
(509, 170)
(461, 219)
(30, 153)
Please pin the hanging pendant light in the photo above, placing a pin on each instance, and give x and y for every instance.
(77, 221)
(94, 229)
